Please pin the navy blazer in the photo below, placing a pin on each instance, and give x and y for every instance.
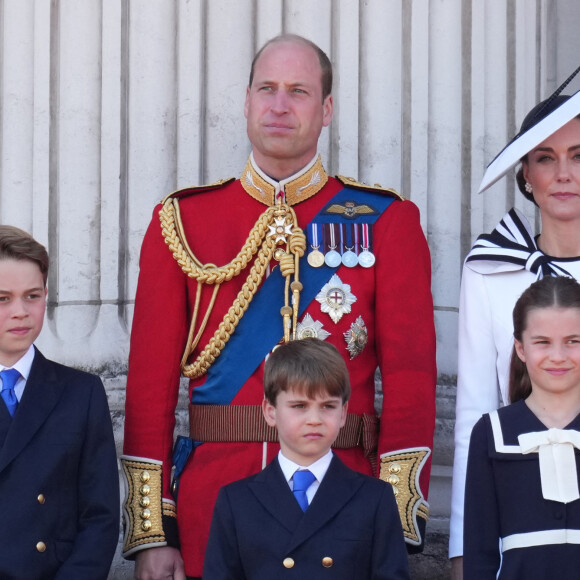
(351, 530)
(59, 490)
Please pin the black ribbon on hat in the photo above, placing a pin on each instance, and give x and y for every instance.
(547, 106)
(541, 110)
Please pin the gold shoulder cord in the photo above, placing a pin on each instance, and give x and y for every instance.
(275, 234)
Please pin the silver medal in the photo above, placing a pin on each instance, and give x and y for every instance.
(332, 259)
(350, 259)
(366, 259)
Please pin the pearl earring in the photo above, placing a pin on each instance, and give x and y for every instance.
(528, 187)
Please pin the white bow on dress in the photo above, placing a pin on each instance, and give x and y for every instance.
(557, 461)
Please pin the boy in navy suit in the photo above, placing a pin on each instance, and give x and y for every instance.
(59, 491)
(306, 515)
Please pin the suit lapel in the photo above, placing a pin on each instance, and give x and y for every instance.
(273, 492)
(5, 422)
(41, 394)
(337, 488)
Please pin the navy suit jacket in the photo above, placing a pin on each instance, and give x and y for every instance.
(259, 531)
(59, 490)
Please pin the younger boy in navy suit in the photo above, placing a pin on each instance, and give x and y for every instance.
(306, 515)
(59, 491)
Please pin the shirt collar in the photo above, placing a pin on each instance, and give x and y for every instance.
(23, 364)
(292, 190)
(318, 468)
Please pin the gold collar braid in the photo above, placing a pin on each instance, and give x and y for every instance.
(275, 234)
(293, 190)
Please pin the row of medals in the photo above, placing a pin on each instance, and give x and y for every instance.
(333, 259)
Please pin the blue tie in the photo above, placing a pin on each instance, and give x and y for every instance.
(302, 481)
(9, 378)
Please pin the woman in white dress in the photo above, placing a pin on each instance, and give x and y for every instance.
(503, 264)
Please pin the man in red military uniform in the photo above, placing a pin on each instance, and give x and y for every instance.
(230, 270)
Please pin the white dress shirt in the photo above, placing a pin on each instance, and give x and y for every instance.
(23, 366)
(318, 469)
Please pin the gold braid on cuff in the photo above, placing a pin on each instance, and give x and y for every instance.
(144, 507)
(275, 234)
(401, 469)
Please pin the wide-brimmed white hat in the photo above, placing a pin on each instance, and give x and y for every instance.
(543, 120)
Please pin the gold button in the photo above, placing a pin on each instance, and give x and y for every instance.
(41, 547)
(288, 563)
(145, 477)
(393, 479)
(146, 525)
(145, 490)
(145, 501)
(394, 468)
(41, 499)
(146, 514)
(327, 561)
(395, 490)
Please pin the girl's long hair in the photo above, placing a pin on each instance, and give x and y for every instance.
(549, 292)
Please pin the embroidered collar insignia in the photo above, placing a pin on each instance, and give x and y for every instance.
(291, 191)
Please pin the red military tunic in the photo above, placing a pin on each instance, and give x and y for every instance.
(394, 300)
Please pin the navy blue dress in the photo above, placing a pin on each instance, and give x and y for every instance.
(503, 500)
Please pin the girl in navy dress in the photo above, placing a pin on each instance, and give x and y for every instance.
(522, 502)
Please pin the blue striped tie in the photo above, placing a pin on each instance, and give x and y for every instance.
(302, 481)
(9, 378)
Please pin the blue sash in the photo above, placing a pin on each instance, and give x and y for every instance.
(260, 329)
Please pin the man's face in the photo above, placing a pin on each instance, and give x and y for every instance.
(285, 109)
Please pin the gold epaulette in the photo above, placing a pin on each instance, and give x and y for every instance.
(144, 506)
(401, 469)
(352, 182)
(186, 191)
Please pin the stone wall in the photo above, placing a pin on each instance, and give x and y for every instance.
(108, 105)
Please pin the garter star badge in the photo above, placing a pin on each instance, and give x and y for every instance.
(310, 328)
(356, 337)
(335, 298)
